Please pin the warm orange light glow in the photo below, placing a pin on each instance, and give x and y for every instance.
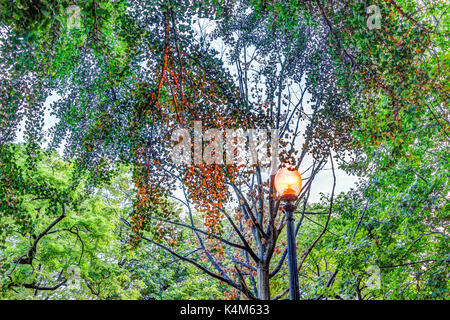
(288, 184)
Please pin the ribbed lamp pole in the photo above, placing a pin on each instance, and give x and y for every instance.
(294, 293)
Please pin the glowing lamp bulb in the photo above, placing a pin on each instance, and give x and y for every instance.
(288, 184)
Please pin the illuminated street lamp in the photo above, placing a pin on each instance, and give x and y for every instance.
(288, 184)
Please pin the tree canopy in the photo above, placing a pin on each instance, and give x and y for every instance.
(323, 85)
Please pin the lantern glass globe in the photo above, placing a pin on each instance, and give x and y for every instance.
(288, 184)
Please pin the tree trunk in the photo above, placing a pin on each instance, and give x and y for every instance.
(262, 273)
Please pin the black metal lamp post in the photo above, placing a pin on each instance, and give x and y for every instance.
(288, 184)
